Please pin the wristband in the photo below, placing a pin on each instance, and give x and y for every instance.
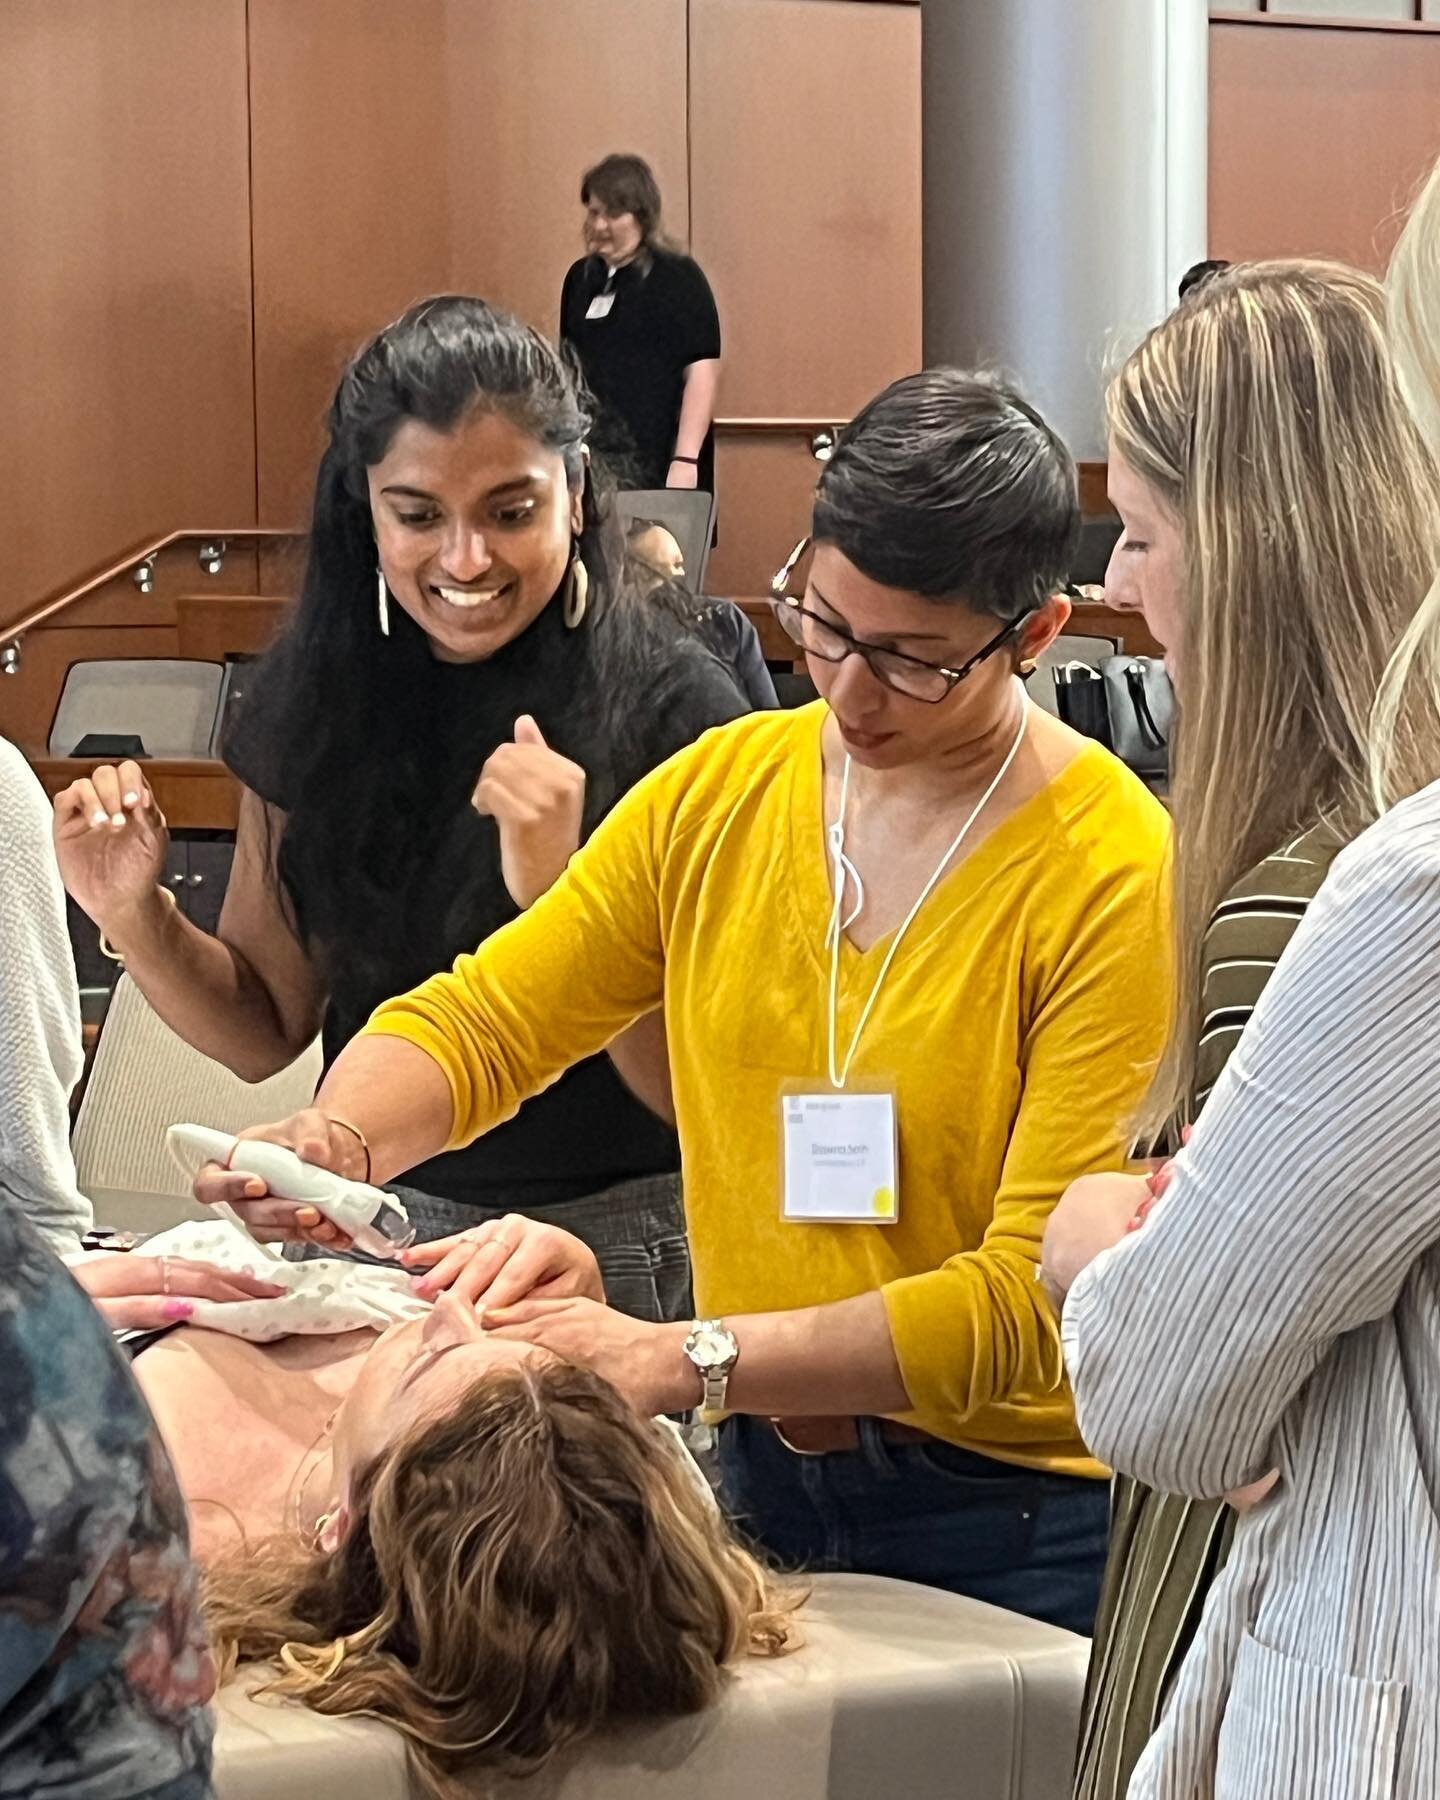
(355, 1131)
(108, 950)
(694, 461)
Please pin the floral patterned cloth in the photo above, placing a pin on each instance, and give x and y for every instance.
(104, 1671)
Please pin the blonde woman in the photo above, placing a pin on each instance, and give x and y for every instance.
(1279, 1313)
(459, 1534)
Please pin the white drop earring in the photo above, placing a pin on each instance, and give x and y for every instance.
(577, 592)
(383, 594)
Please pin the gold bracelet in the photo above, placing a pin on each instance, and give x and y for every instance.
(108, 950)
(345, 1125)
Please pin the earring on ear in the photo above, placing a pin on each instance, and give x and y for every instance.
(1028, 668)
(383, 594)
(577, 592)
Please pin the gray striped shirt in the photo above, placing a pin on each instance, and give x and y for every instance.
(1281, 1309)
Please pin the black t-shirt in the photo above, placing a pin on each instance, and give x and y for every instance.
(662, 319)
(587, 1132)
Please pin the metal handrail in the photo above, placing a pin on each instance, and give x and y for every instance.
(133, 559)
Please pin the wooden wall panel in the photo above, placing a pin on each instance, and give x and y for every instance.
(805, 197)
(125, 359)
(766, 488)
(435, 148)
(1318, 137)
(805, 202)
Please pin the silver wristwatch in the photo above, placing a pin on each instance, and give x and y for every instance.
(713, 1350)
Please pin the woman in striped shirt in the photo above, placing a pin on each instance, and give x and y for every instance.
(1280, 516)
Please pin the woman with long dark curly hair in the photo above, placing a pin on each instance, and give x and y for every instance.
(465, 689)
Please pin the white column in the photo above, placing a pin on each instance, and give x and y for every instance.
(1065, 146)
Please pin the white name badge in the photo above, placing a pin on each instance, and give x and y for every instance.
(840, 1158)
(599, 307)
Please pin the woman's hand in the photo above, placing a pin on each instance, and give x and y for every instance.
(315, 1138)
(537, 798)
(1243, 1499)
(646, 1362)
(1094, 1212)
(505, 1260)
(110, 841)
(144, 1293)
(682, 475)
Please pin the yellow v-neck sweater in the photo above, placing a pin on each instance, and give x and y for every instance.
(1017, 1027)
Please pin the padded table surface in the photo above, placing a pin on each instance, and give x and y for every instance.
(899, 1693)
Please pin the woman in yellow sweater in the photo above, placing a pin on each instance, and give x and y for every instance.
(910, 946)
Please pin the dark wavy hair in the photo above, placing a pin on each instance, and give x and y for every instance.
(950, 486)
(370, 747)
(624, 183)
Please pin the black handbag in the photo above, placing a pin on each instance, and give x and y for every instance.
(1141, 705)
(1080, 700)
(1127, 704)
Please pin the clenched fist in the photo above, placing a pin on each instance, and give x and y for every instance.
(536, 797)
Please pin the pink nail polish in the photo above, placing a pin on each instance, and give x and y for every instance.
(177, 1309)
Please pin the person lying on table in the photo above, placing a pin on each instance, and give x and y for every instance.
(911, 945)
(403, 1516)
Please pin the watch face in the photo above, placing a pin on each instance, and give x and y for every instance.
(708, 1347)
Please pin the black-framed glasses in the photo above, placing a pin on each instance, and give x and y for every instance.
(911, 676)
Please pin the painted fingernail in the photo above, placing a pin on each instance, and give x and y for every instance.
(255, 1190)
(130, 799)
(99, 818)
(307, 1216)
(421, 1287)
(177, 1309)
(274, 1289)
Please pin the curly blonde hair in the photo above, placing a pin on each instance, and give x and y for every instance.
(537, 1565)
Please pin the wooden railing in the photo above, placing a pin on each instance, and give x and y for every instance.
(128, 564)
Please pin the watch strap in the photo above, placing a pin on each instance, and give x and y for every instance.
(715, 1379)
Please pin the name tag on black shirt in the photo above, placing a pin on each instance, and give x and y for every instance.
(599, 307)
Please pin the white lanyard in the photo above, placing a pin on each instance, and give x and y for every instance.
(844, 868)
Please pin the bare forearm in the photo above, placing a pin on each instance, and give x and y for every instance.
(204, 990)
(397, 1096)
(641, 1057)
(697, 407)
(820, 1359)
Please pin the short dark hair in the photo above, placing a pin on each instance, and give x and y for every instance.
(1199, 273)
(950, 486)
(625, 184)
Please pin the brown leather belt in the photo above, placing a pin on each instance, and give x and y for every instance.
(822, 1435)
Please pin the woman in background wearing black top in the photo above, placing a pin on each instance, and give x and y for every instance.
(642, 320)
(465, 689)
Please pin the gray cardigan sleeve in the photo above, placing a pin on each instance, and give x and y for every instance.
(1303, 1200)
(40, 1049)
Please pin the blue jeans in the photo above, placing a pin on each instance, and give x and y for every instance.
(929, 1512)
